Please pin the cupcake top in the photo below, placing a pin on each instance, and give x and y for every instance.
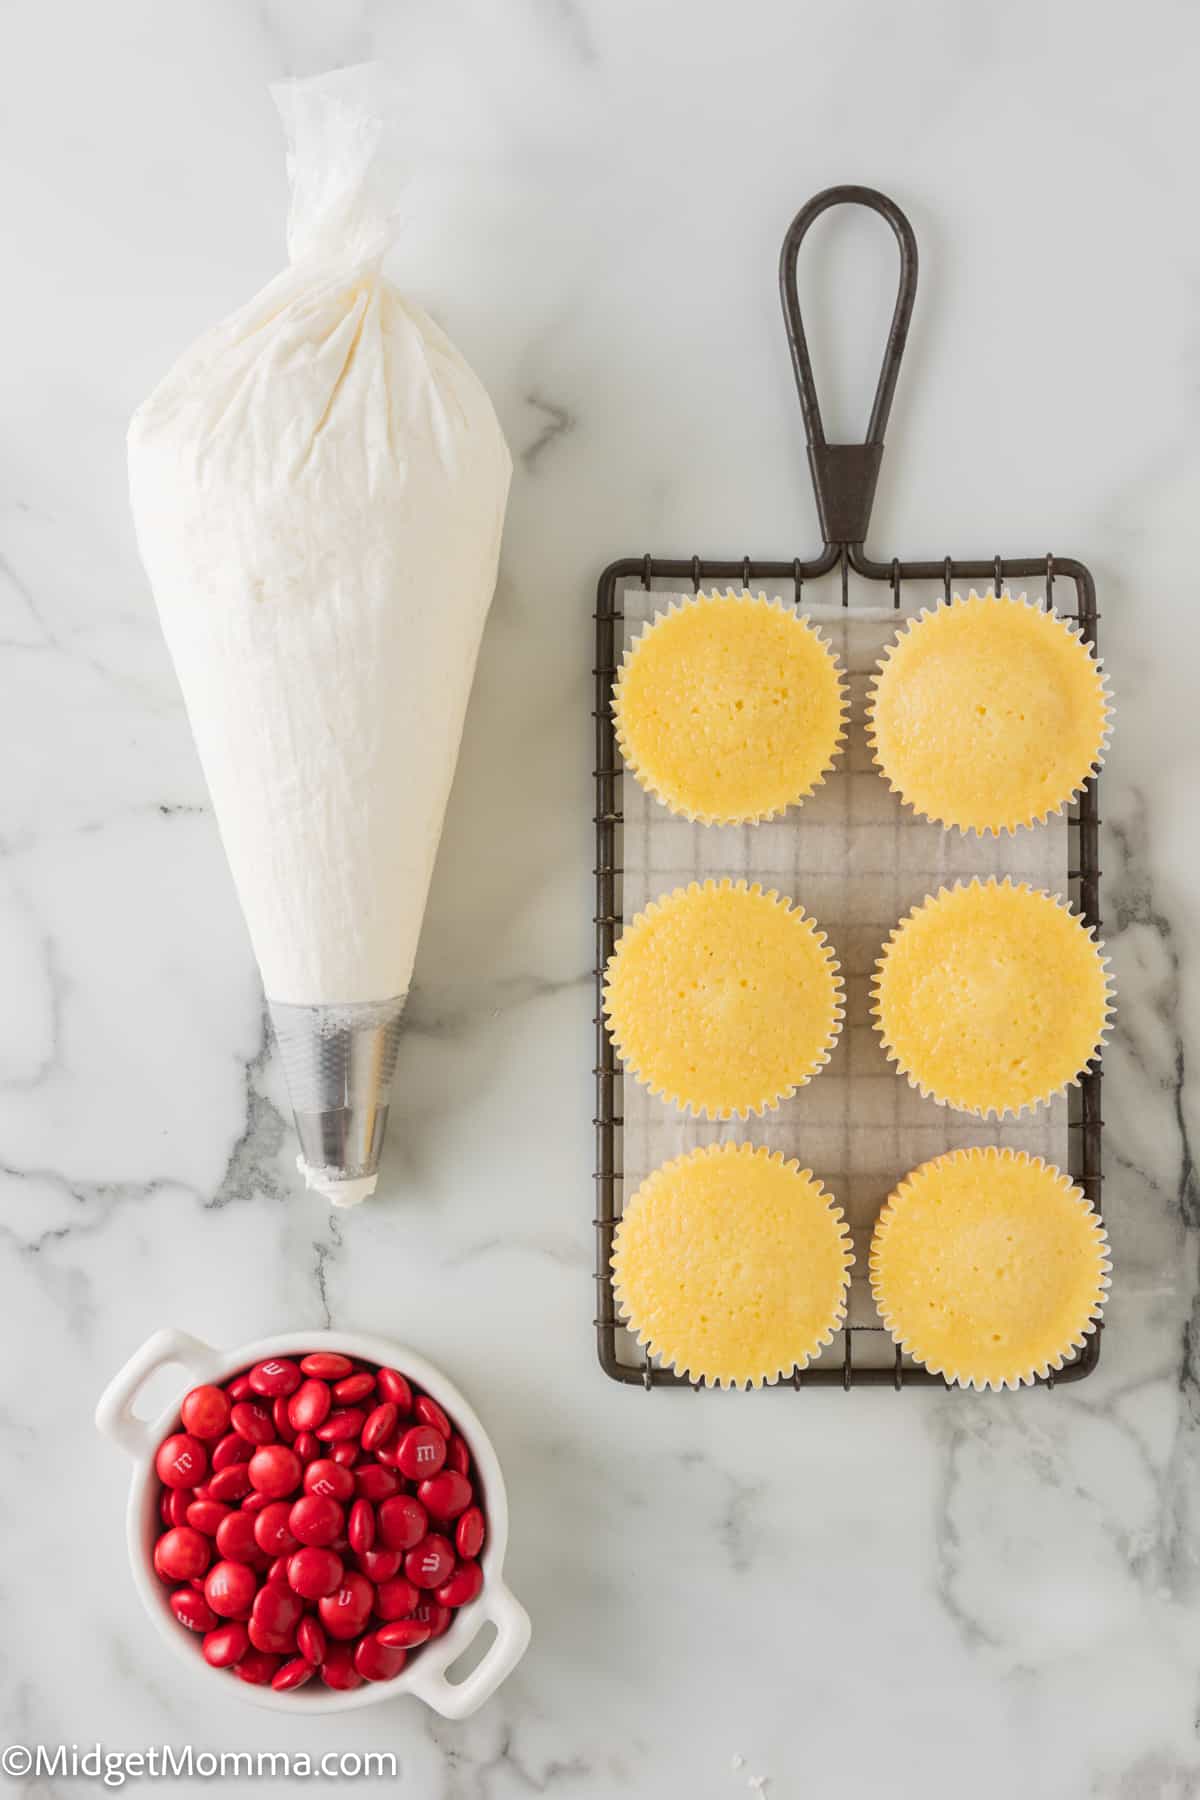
(992, 997)
(729, 708)
(731, 1265)
(723, 999)
(989, 1267)
(988, 713)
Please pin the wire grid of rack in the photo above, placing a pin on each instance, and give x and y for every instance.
(844, 479)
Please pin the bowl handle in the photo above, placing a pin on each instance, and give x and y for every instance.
(458, 1699)
(115, 1416)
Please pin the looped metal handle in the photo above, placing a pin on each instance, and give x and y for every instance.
(844, 475)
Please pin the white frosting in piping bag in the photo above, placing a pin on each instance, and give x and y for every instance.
(319, 487)
(350, 1191)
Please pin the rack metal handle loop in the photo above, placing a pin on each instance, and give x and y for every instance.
(844, 475)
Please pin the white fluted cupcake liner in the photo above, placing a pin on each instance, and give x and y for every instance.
(906, 1333)
(669, 1342)
(646, 777)
(1054, 1090)
(1036, 815)
(772, 1095)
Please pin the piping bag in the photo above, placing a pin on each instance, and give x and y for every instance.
(318, 488)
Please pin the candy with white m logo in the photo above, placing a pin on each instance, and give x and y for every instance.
(320, 1520)
(431, 1563)
(421, 1452)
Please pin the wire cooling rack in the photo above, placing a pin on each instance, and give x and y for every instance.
(844, 478)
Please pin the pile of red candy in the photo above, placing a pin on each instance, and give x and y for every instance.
(318, 1519)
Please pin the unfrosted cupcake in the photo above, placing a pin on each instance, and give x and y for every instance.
(729, 708)
(989, 1267)
(731, 1265)
(992, 997)
(988, 713)
(723, 999)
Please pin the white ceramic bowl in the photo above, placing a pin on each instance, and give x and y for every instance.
(425, 1675)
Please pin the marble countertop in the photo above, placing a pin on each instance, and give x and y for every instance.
(876, 1596)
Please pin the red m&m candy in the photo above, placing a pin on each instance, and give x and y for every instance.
(181, 1461)
(277, 1483)
(205, 1412)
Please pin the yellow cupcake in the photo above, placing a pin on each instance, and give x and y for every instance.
(723, 999)
(729, 708)
(989, 1267)
(731, 1265)
(988, 713)
(992, 997)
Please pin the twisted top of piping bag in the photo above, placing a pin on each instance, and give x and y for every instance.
(341, 165)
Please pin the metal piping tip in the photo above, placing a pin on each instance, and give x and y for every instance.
(339, 1062)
